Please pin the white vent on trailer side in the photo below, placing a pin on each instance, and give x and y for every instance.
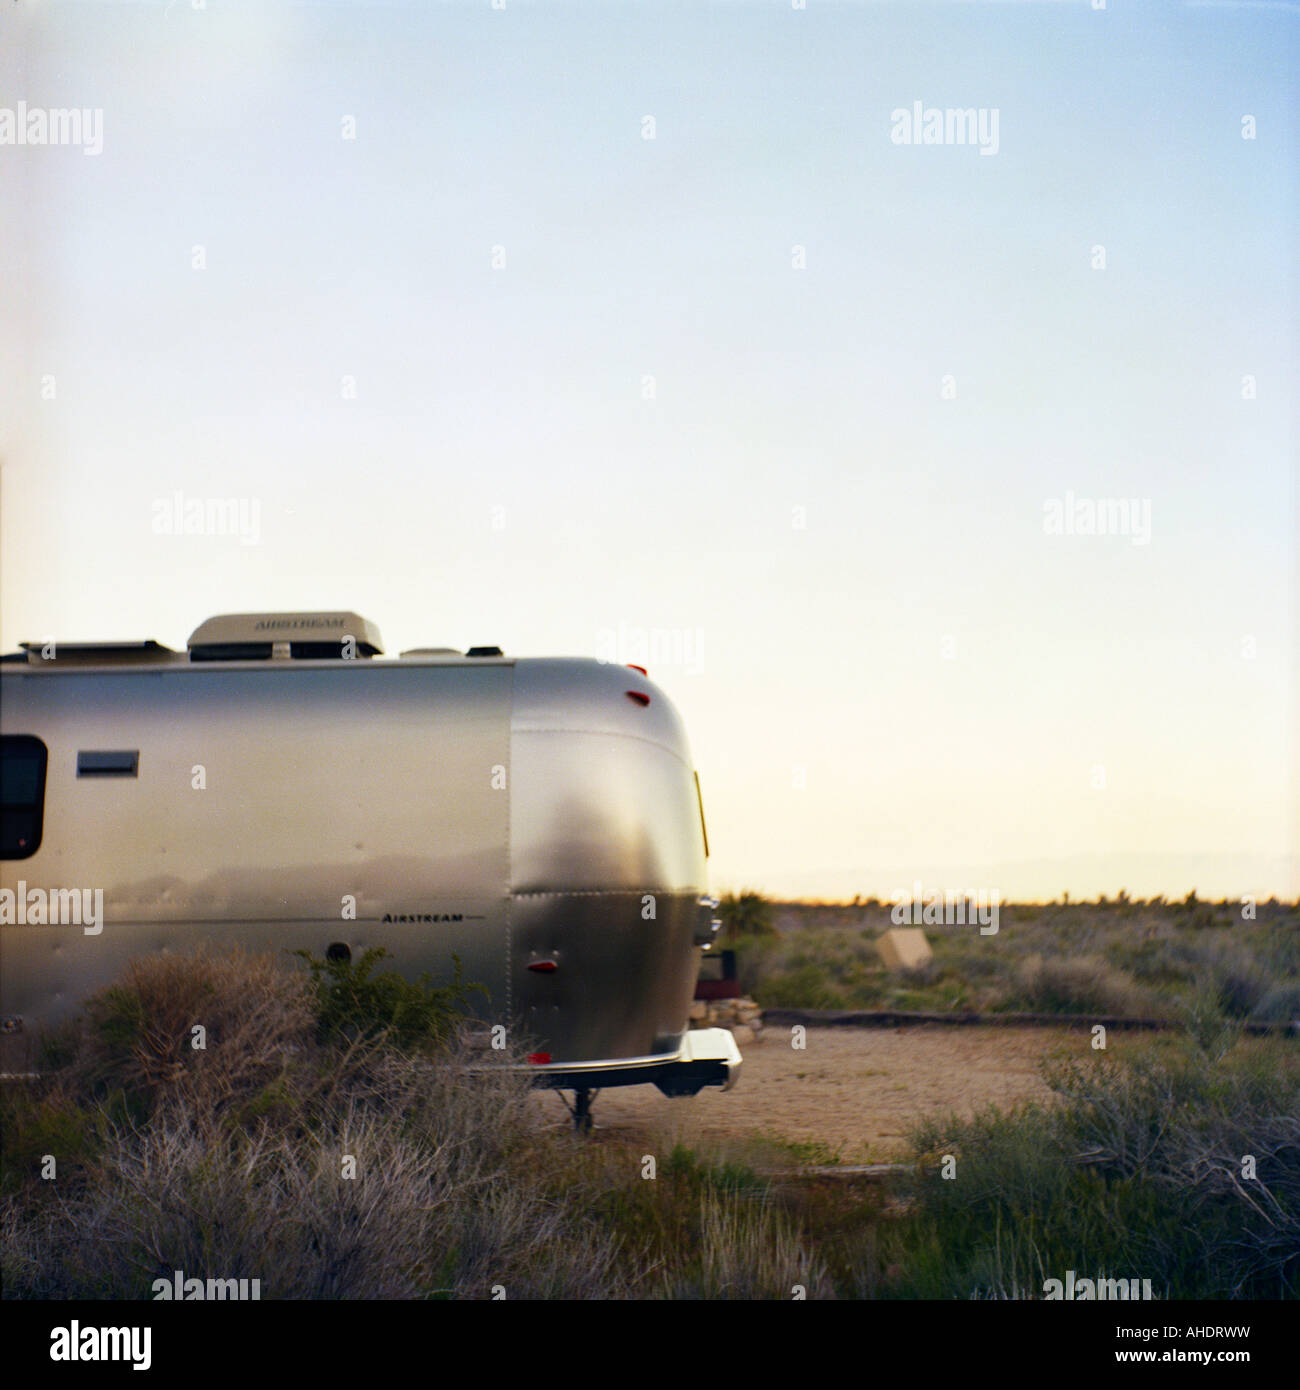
(263, 636)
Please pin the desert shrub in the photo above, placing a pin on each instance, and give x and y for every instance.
(1135, 1171)
(1278, 949)
(754, 956)
(1207, 1028)
(1239, 988)
(1015, 1198)
(804, 987)
(1201, 915)
(378, 1174)
(138, 1037)
(1151, 961)
(705, 1175)
(40, 1122)
(706, 1227)
(748, 1252)
(1085, 984)
(352, 1001)
(919, 976)
(745, 914)
(1281, 1004)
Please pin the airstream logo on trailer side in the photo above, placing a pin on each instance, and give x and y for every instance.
(54, 907)
(423, 917)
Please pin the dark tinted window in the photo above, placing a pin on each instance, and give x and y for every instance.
(22, 795)
(117, 764)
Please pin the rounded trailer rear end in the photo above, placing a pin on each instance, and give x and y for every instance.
(608, 894)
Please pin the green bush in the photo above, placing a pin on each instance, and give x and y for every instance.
(1280, 1005)
(213, 1027)
(354, 1002)
(804, 987)
(1136, 1171)
(35, 1126)
(1078, 985)
(1240, 989)
(745, 914)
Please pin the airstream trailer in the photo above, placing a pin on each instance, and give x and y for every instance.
(280, 786)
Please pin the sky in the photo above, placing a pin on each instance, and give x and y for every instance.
(642, 331)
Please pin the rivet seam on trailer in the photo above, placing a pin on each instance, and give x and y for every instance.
(603, 892)
(603, 733)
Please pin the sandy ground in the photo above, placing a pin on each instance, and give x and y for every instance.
(853, 1089)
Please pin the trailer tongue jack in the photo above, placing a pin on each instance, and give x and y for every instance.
(580, 1109)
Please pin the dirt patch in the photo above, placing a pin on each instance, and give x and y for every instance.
(854, 1090)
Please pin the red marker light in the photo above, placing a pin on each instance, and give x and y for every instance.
(544, 966)
(539, 1059)
(632, 666)
(639, 696)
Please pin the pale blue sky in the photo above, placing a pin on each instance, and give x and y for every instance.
(520, 388)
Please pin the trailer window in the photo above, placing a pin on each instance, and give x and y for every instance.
(125, 763)
(22, 795)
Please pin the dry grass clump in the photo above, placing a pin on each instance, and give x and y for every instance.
(1180, 1164)
(1080, 985)
(376, 1178)
(214, 1029)
(748, 1252)
(342, 1170)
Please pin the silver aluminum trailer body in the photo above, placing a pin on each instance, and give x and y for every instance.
(539, 818)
